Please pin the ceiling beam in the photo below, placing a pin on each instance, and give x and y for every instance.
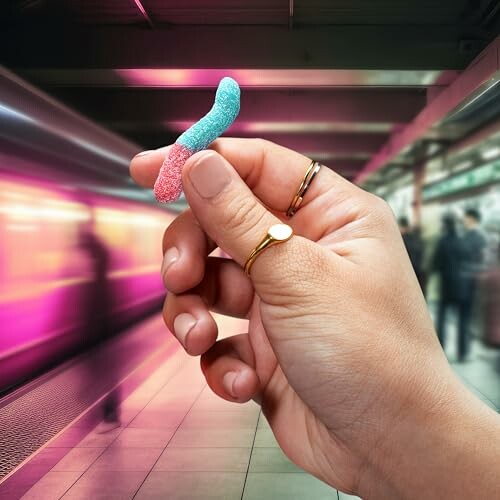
(331, 145)
(432, 80)
(337, 105)
(482, 75)
(344, 47)
(31, 116)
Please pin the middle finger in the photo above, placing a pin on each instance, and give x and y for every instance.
(225, 288)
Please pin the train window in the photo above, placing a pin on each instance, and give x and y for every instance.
(38, 228)
(118, 229)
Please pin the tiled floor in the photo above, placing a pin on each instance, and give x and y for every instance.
(481, 372)
(180, 441)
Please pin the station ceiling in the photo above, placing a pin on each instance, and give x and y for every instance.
(334, 79)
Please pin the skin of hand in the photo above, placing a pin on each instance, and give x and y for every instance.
(340, 351)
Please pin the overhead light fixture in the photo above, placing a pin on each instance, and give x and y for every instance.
(491, 153)
(480, 91)
(8, 112)
(462, 166)
(437, 175)
(263, 77)
(292, 127)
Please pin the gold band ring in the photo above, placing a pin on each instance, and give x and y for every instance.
(310, 174)
(279, 233)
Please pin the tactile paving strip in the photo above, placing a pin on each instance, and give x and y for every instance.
(29, 421)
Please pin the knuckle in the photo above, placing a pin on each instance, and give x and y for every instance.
(264, 148)
(262, 144)
(383, 207)
(242, 214)
(381, 210)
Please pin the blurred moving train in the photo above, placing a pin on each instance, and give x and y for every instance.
(46, 276)
(61, 241)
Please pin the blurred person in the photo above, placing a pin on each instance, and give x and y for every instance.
(473, 243)
(98, 321)
(340, 351)
(415, 247)
(447, 262)
(491, 304)
(492, 235)
(422, 272)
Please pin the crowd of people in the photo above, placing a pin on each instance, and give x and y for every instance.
(467, 261)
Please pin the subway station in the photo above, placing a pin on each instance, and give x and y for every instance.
(250, 249)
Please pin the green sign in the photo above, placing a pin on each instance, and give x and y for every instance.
(486, 174)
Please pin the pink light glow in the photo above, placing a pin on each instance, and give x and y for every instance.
(291, 127)
(159, 77)
(47, 274)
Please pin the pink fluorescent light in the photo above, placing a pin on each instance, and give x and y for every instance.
(292, 127)
(159, 77)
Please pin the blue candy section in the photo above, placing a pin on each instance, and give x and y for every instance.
(217, 120)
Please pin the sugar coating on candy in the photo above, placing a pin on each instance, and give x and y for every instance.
(223, 113)
(168, 186)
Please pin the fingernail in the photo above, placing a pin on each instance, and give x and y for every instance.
(171, 256)
(210, 175)
(183, 324)
(228, 382)
(144, 153)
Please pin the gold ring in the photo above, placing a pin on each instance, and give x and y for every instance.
(310, 174)
(279, 233)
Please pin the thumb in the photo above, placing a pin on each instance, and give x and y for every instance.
(237, 221)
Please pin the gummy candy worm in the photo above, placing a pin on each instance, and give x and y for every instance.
(168, 185)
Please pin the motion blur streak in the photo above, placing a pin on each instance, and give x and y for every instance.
(46, 273)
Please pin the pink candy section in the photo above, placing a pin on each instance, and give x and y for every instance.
(168, 185)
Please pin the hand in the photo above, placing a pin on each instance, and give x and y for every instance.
(340, 350)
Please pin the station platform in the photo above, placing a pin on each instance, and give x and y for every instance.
(480, 372)
(176, 440)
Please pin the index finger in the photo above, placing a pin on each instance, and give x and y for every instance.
(272, 172)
